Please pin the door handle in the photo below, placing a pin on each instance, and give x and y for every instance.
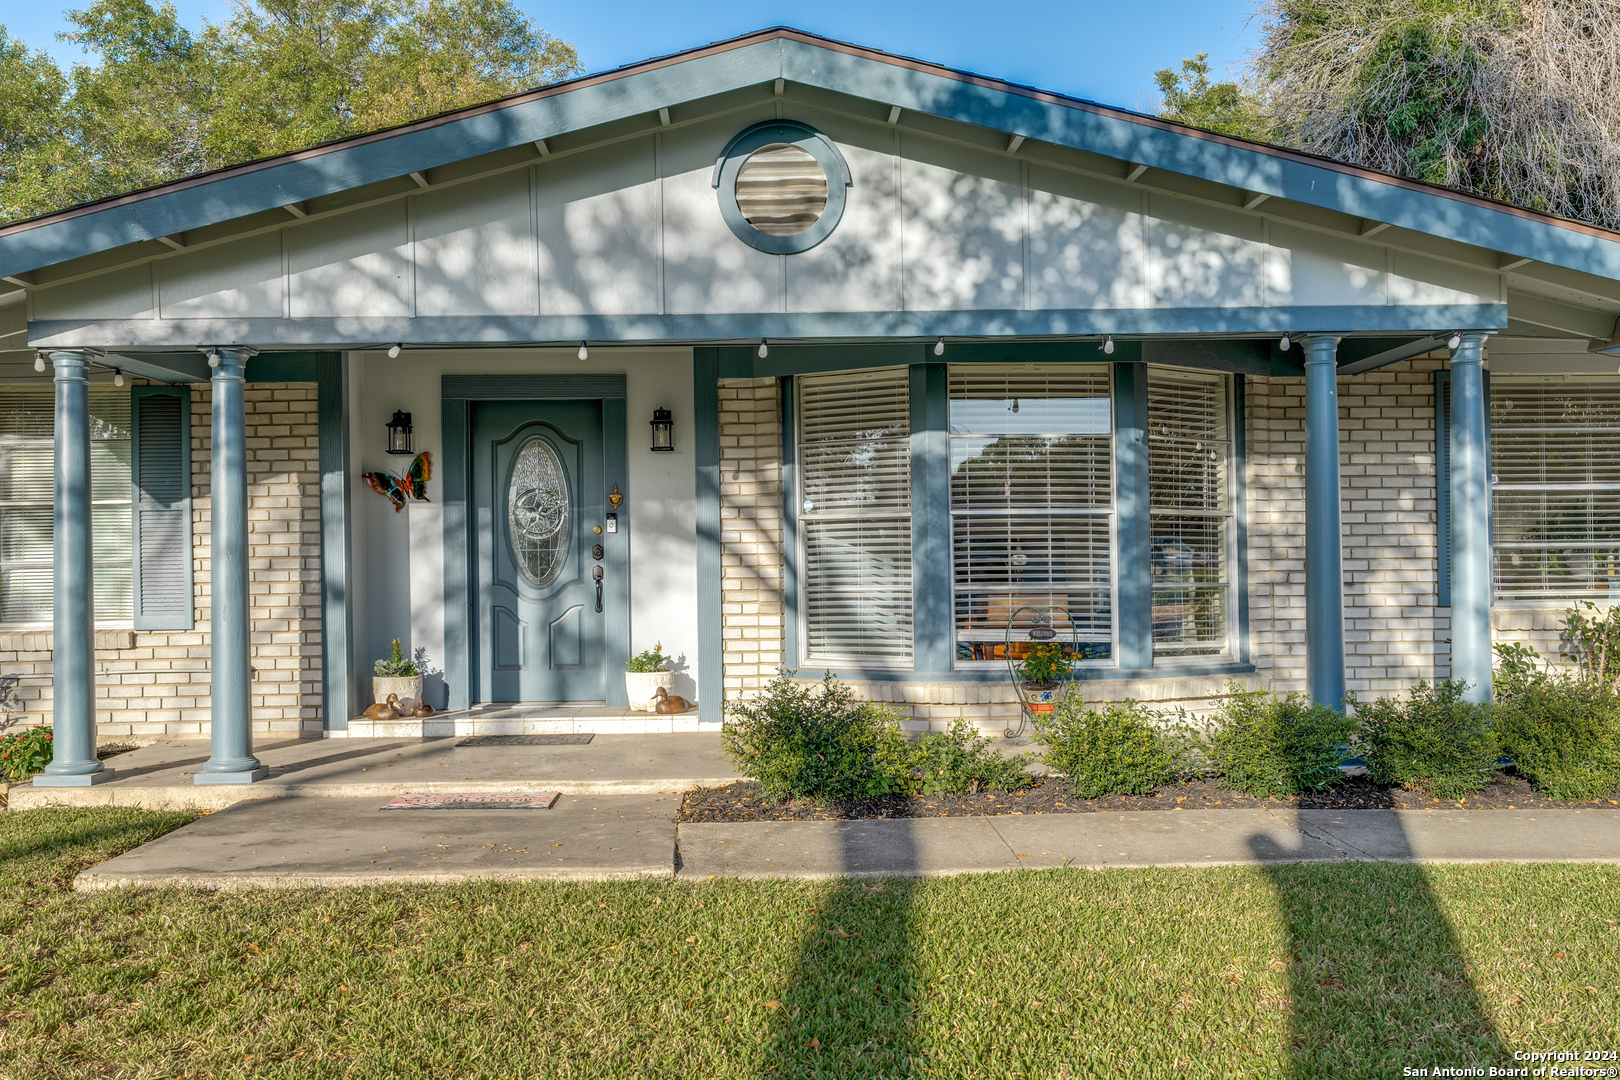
(596, 572)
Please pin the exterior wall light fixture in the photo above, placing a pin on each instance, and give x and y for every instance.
(399, 433)
(663, 431)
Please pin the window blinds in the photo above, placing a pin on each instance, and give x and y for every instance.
(854, 442)
(1189, 452)
(27, 492)
(1555, 497)
(1031, 501)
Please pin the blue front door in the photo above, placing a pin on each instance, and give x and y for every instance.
(537, 494)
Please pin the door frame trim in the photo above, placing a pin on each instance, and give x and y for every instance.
(459, 393)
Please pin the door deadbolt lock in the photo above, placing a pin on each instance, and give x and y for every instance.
(596, 552)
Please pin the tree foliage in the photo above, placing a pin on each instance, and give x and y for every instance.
(1517, 100)
(162, 102)
(1230, 107)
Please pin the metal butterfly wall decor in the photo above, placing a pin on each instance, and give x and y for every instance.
(413, 485)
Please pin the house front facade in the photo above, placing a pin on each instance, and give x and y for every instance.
(784, 353)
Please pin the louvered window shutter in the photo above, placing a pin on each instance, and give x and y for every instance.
(161, 468)
(855, 514)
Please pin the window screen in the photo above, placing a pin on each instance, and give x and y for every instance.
(27, 485)
(1032, 503)
(854, 440)
(1555, 498)
(1189, 448)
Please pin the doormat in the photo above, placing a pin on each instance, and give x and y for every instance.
(476, 800)
(528, 740)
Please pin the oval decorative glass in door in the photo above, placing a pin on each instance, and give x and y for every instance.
(537, 513)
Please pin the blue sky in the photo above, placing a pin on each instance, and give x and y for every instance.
(1106, 50)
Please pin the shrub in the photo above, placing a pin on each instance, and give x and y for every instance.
(811, 740)
(1274, 745)
(1431, 739)
(24, 753)
(648, 660)
(1115, 748)
(1562, 732)
(396, 665)
(957, 762)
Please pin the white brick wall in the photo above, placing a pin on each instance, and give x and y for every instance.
(751, 533)
(151, 685)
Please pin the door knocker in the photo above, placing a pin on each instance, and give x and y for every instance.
(615, 499)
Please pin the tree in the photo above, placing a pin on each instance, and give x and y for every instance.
(32, 91)
(1188, 97)
(278, 75)
(1512, 100)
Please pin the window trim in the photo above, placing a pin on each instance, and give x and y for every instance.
(812, 142)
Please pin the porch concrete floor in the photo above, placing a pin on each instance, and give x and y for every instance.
(159, 776)
(303, 842)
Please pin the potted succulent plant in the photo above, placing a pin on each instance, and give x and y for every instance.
(1042, 670)
(647, 671)
(397, 674)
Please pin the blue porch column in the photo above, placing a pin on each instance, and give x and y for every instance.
(1324, 571)
(1470, 521)
(73, 681)
(231, 760)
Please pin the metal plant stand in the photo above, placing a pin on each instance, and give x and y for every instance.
(1037, 624)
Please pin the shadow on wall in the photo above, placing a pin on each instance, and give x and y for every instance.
(1376, 977)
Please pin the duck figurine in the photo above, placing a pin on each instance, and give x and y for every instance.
(422, 711)
(392, 709)
(666, 703)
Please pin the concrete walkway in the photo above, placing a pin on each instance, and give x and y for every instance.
(330, 842)
(158, 777)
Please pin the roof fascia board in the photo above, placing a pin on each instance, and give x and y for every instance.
(1210, 157)
(803, 327)
(318, 173)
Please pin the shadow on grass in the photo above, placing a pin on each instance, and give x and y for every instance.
(847, 1007)
(1376, 979)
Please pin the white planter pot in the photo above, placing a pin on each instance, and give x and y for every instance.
(642, 687)
(408, 690)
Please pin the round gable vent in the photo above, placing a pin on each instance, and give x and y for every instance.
(782, 186)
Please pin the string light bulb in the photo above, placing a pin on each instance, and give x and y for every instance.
(1287, 343)
(584, 353)
(939, 347)
(118, 377)
(1455, 342)
(1108, 345)
(393, 352)
(39, 361)
(764, 349)
(213, 358)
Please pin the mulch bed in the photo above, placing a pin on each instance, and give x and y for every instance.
(742, 801)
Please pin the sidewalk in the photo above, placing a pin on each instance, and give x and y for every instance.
(332, 842)
(158, 777)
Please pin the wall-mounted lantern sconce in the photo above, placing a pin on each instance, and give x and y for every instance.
(663, 430)
(399, 433)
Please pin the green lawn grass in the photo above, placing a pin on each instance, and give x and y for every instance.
(1343, 970)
